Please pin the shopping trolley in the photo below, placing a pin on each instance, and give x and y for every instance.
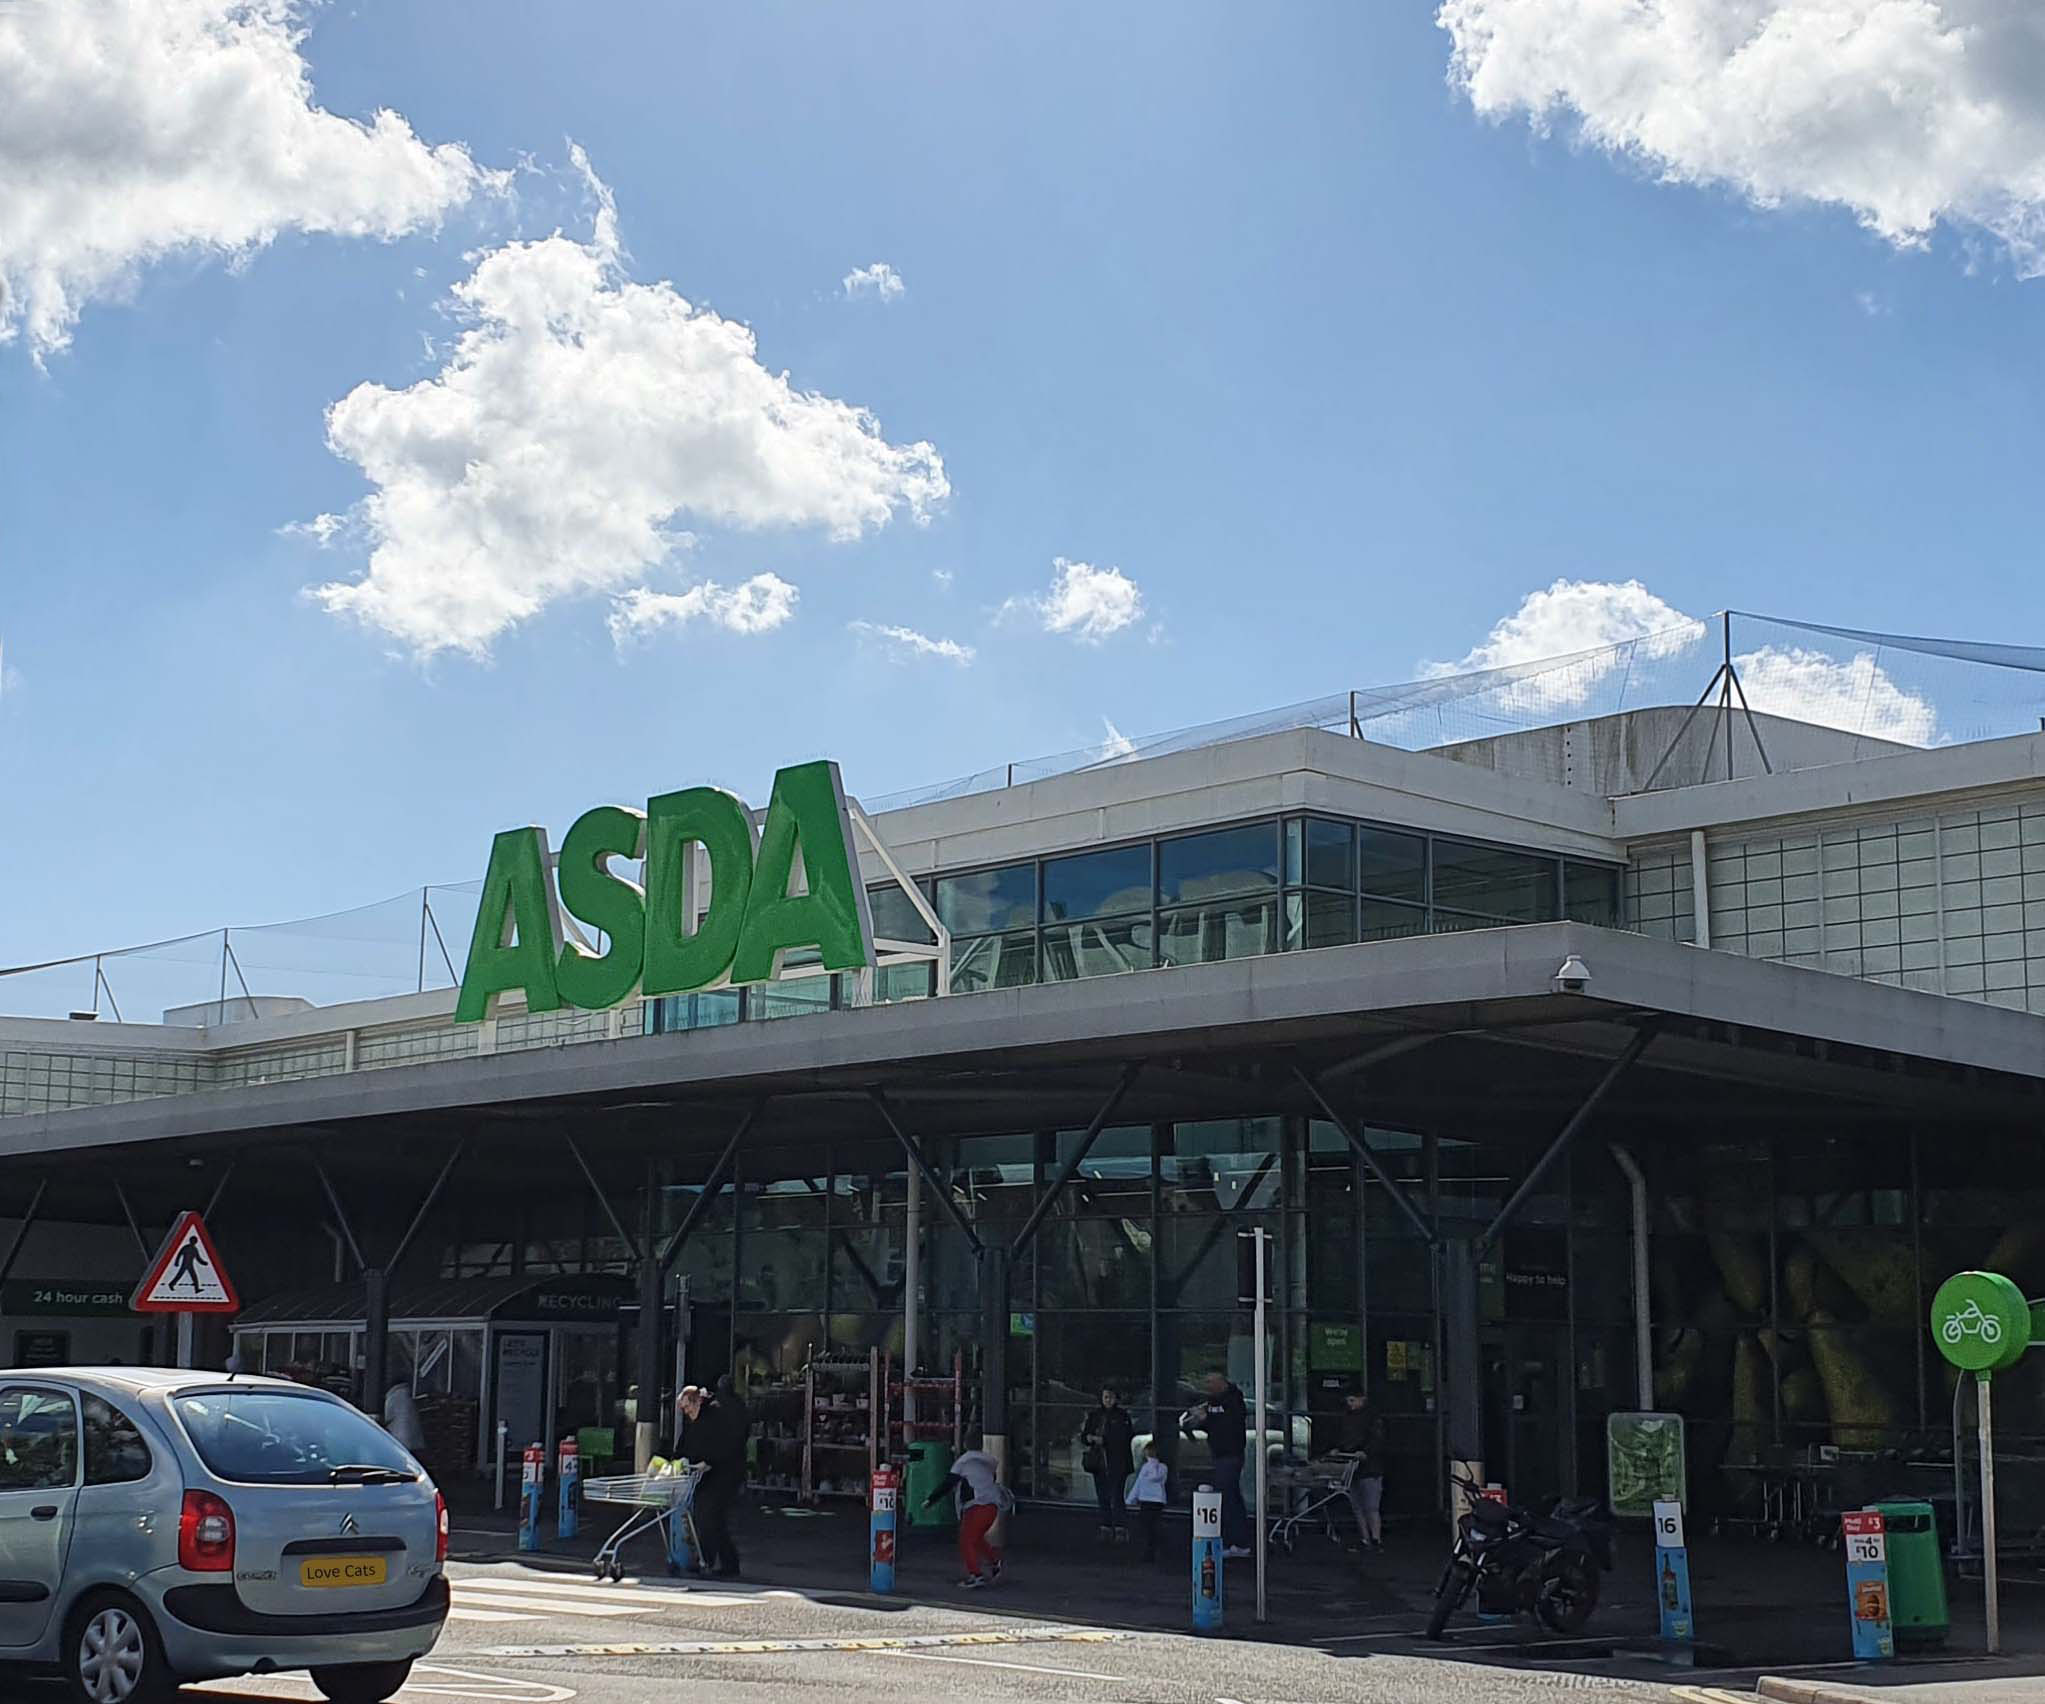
(656, 1500)
(1321, 1486)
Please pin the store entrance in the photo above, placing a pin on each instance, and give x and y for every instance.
(1527, 1442)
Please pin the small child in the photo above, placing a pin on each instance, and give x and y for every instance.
(1150, 1498)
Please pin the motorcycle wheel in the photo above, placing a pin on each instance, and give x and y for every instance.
(1568, 1597)
(1455, 1586)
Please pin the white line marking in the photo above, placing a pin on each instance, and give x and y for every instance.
(567, 1586)
(989, 1662)
(458, 1613)
(550, 1605)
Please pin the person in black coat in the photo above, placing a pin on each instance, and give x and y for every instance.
(1226, 1421)
(1362, 1435)
(1110, 1437)
(714, 1430)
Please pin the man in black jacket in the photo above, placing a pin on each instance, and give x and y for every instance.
(714, 1428)
(1226, 1422)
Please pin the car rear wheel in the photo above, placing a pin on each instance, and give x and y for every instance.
(361, 1683)
(111, 1654)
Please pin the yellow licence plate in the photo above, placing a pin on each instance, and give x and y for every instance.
(326, 1572)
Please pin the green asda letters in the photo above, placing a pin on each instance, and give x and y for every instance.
(700, 851)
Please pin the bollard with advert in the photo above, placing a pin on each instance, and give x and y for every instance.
(1208, 1586)
(1672, 1582)
(1867, 1584)
(529, 1490)
(569, 1469)
(887, 1489)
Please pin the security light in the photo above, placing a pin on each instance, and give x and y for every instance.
(1573, 977)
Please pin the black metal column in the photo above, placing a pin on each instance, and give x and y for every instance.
(994, 1264)
(650, 1412)
(376, 1337)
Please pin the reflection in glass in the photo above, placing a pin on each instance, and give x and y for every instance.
(994, 961)
(1319, 920)
(1097, 884)
(1383, 920)
(1519, 887)
(988, 900)
(1229, 860)
(1393, 866)
(895, 917)
(1073, 950)
(1590, 894)
(1225, 930)
(1320, 853)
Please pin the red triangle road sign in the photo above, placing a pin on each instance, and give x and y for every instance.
(186, 1276)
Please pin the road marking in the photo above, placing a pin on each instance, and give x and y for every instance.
(789, 1647)
(428, 1681)
(548, 1604)
(994, 1662)
(458, 1613)
(567, 1586)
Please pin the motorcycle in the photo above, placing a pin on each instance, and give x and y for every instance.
(1520, 1562)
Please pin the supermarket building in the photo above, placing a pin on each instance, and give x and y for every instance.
(1483, 1036)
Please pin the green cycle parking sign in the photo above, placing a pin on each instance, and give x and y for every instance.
(1980, 1322)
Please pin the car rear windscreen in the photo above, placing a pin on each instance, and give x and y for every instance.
(271, 1437)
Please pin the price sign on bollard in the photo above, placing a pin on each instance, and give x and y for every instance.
(887, 1490)
(1672, 1576)
(530, 1486)
(1867, 1583)
(567, 1522)
(1208, 1579)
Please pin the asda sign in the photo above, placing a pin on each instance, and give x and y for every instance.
(724, 902)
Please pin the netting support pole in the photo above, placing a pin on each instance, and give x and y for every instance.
(1725, 695)
(222, 1007)
(243, 980)
(1355, 727)
(422, 941)
(440, 941)
(1696, 709)
(1753, 726)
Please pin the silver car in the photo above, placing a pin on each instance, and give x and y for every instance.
(159, 1526)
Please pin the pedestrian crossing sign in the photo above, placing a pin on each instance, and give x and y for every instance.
(186, 1276)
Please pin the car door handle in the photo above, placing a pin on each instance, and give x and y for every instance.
(45, 1512)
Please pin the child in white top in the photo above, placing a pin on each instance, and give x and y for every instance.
(1149, 1497)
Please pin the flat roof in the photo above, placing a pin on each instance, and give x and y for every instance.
(1040, 1056)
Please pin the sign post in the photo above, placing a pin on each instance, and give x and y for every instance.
(185, 1278)
(1672, 1582)
(1982, 1325)
(568, 1522)
(1867, 1584)
(530, 1485)
(887, 1486)
(1208, 1583)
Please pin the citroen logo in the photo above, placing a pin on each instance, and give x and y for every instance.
(348, 1526)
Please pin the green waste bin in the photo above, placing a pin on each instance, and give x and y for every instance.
(928, 1464)
(1917, 1576)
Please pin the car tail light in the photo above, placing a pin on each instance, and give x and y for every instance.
(205, 1535)
(439, 1527)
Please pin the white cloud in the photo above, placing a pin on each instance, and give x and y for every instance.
(1575, 615)
(903, 643)
(1856, 695)
(1906, 112)
(760, 605)
(576, 418)
(942, 578)
(1117, 744)
(1584, 627)
(1087, 602)
(880, 281)
(132, 130)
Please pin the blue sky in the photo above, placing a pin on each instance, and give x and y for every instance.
(1252, 307)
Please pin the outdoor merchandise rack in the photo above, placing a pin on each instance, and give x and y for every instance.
(940, 1410)
(781, 1436)
(842, 1419)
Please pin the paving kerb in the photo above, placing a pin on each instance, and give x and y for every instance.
(1909, 1687)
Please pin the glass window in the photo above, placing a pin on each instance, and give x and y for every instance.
(1392, 865)
(1073, 950)
(1097, 884)
(1320, 853)
(1319, 920)
(994, 961)
(115, 1451)
(1206, 866)
(38, 1440)
(273, 1437)
(895, 917)
(1203, 934)
(794, 998)
(1385, 920)
(1590, 894)
(1518, 887)
(988, 900)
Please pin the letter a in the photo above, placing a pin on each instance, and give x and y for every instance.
(518, 930)
(805, 816)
